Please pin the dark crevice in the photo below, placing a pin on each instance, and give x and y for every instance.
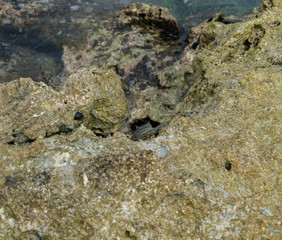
(140, 122)
(100, 135)
(20, 138)
(247, 44)
(16, 143)
(30, 140)
(15, 5)
(196, 44)
(227, 21)
(129, 235)
(99, 132)
(63, 129)
(11, 181)
(228, 165)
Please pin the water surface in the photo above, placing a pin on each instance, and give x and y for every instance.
(33, 33)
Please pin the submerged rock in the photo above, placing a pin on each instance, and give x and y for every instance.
(150, 16)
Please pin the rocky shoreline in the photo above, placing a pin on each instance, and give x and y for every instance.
(207, 166)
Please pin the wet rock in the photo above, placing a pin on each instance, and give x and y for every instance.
(176, 80)
(201, 36)
(150, 16)
(32, 49)
(19, 61)
(137, 53)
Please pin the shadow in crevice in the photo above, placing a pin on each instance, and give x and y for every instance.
(140, 122)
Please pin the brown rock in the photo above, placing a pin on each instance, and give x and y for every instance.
(150, 16)
(31, 110)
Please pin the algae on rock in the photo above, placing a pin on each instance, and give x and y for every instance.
(32, 110)
(212, 173)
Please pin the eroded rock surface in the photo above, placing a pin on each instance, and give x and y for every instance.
(31, 110)
(150, 16)
(211, 173)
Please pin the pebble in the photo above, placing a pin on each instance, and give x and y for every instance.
(78, 116)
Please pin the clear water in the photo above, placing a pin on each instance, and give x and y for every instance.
(34, 48)
(185, 8)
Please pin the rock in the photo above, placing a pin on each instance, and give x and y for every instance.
(32, 110)
(214, 167)
(266, 5)
(174, 77)
(150, 16)
(138, 51)
(106, 106)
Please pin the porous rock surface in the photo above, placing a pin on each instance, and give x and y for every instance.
(148, 15)
(213, 173)
(32, 110)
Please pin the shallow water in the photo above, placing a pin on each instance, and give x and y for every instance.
(185, 8)
(33, 33)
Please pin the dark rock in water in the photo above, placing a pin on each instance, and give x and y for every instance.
(151, 16)
(78, 116)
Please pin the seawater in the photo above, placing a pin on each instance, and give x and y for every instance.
(181, 9)
(35, 49)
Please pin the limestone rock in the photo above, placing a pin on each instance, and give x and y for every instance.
(32, 110)
(106, 106)
(212, 173)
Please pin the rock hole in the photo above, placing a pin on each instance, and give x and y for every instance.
(10, 181)
(145, 129)
(11, 143)
(276, 23)
(30, 140)
(128, 234)
(196, 44)
(200, 184)
(100, 135)
(247, 44)
(99, 132)
(140, 122)
(142, 15)
(228, 165)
